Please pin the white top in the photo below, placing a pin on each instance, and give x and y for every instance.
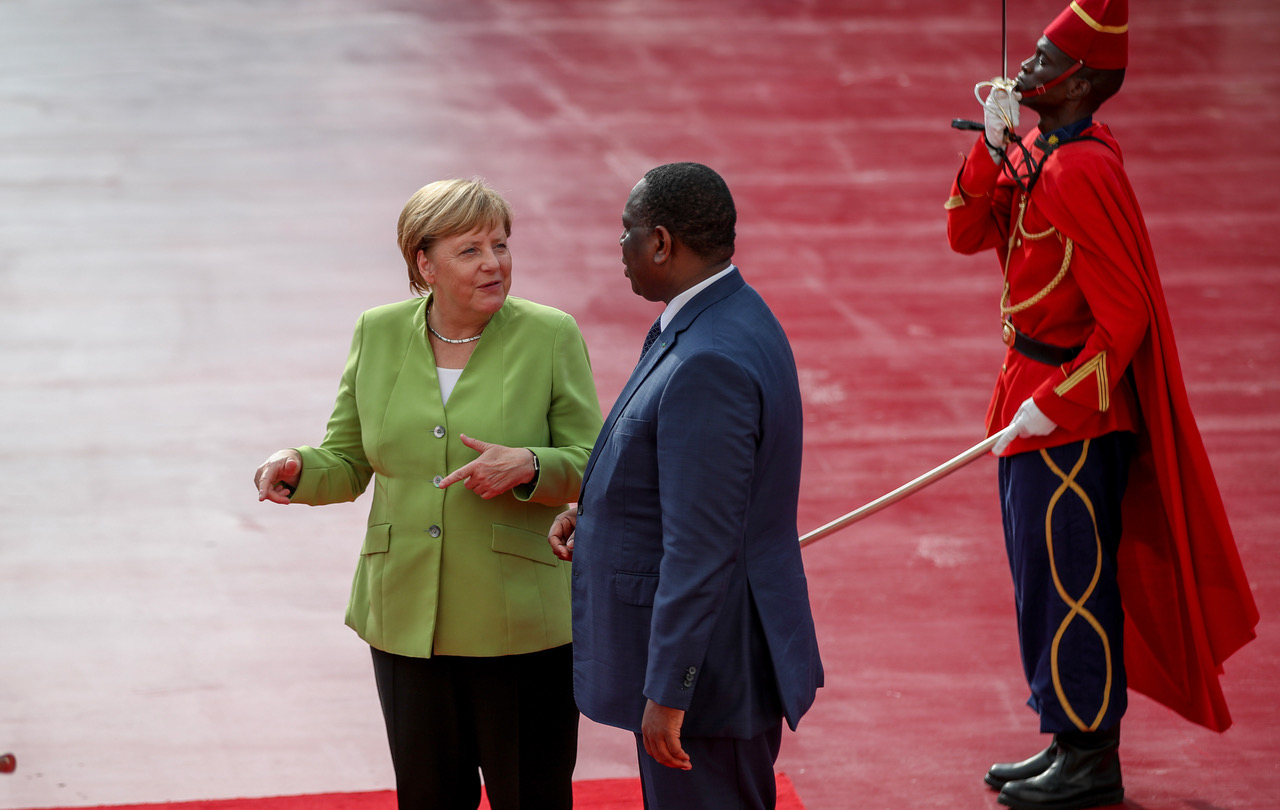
(448, 379)
(683, 298)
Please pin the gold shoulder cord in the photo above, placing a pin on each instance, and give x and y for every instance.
(1007, 309)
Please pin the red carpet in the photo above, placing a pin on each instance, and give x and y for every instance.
(600, 794)
(197, 200)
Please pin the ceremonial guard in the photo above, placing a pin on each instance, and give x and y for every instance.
(1124, 567)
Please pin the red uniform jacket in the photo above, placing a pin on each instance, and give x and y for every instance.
(1080, 271)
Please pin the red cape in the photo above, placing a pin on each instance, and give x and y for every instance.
(1187, 602)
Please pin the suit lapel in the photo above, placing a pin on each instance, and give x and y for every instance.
(666, 341)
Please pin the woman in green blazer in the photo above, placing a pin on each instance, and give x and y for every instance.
(474, 413)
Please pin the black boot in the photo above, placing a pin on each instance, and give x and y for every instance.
(1085, 773)
(1002, 772)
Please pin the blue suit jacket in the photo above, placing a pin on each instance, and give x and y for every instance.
(688, 587)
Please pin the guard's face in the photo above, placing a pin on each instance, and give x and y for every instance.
(1045, 65)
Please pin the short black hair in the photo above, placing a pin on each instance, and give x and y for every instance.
(693, 203)
(1103, 84)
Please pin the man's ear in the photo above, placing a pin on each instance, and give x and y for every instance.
(1079, 88)
(662, 244)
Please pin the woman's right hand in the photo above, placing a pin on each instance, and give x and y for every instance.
(561, 535)
(277, 477)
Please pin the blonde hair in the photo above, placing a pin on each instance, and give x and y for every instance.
(446, 208)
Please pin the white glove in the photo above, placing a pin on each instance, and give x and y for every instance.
(1028, 421)
(1000, 115)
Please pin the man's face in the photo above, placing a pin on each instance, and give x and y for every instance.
(1044, 66)
(638, 246)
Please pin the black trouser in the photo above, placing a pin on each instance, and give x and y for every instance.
(511, 717)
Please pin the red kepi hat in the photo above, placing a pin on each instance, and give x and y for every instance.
(1095, 32)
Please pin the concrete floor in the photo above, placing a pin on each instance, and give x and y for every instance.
(198, 199)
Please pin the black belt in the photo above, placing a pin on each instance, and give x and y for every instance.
(1045, 353)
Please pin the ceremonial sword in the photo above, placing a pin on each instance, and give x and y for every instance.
(937, 473)
(976, 126)
(1004, 38)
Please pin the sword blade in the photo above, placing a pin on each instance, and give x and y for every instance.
(1004, 38)
(915, 485)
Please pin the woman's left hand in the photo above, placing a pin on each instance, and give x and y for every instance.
(497, 470)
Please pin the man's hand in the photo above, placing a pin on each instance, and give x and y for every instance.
(561, 535)
(277, 477)
(1028, 421)
(497, 470)
(1000, 117)
(660, 729)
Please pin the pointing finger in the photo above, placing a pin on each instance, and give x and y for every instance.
(475, 444)
(457, 475)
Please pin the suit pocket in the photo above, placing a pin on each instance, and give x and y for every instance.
(633, 427)
(523, 543)
(635, 589)
(377, 539)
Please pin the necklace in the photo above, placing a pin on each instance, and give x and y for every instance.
(451, 340)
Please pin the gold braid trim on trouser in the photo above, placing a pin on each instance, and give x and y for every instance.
(1077, 606)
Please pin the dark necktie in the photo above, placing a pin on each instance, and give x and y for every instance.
(652, 337)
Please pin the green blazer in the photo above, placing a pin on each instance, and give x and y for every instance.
(444, 571)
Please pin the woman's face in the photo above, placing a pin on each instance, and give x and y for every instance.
(469, 272)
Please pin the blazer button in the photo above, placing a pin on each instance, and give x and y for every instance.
(579, 509)
(437, 480)
(434, 530)
(438, 432)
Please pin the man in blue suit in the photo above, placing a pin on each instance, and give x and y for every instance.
(691, 619)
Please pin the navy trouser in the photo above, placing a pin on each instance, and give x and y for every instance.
(727, 774)
(1061, 509)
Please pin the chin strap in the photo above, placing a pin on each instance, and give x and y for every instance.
(1027, 181)
(1041, 89)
